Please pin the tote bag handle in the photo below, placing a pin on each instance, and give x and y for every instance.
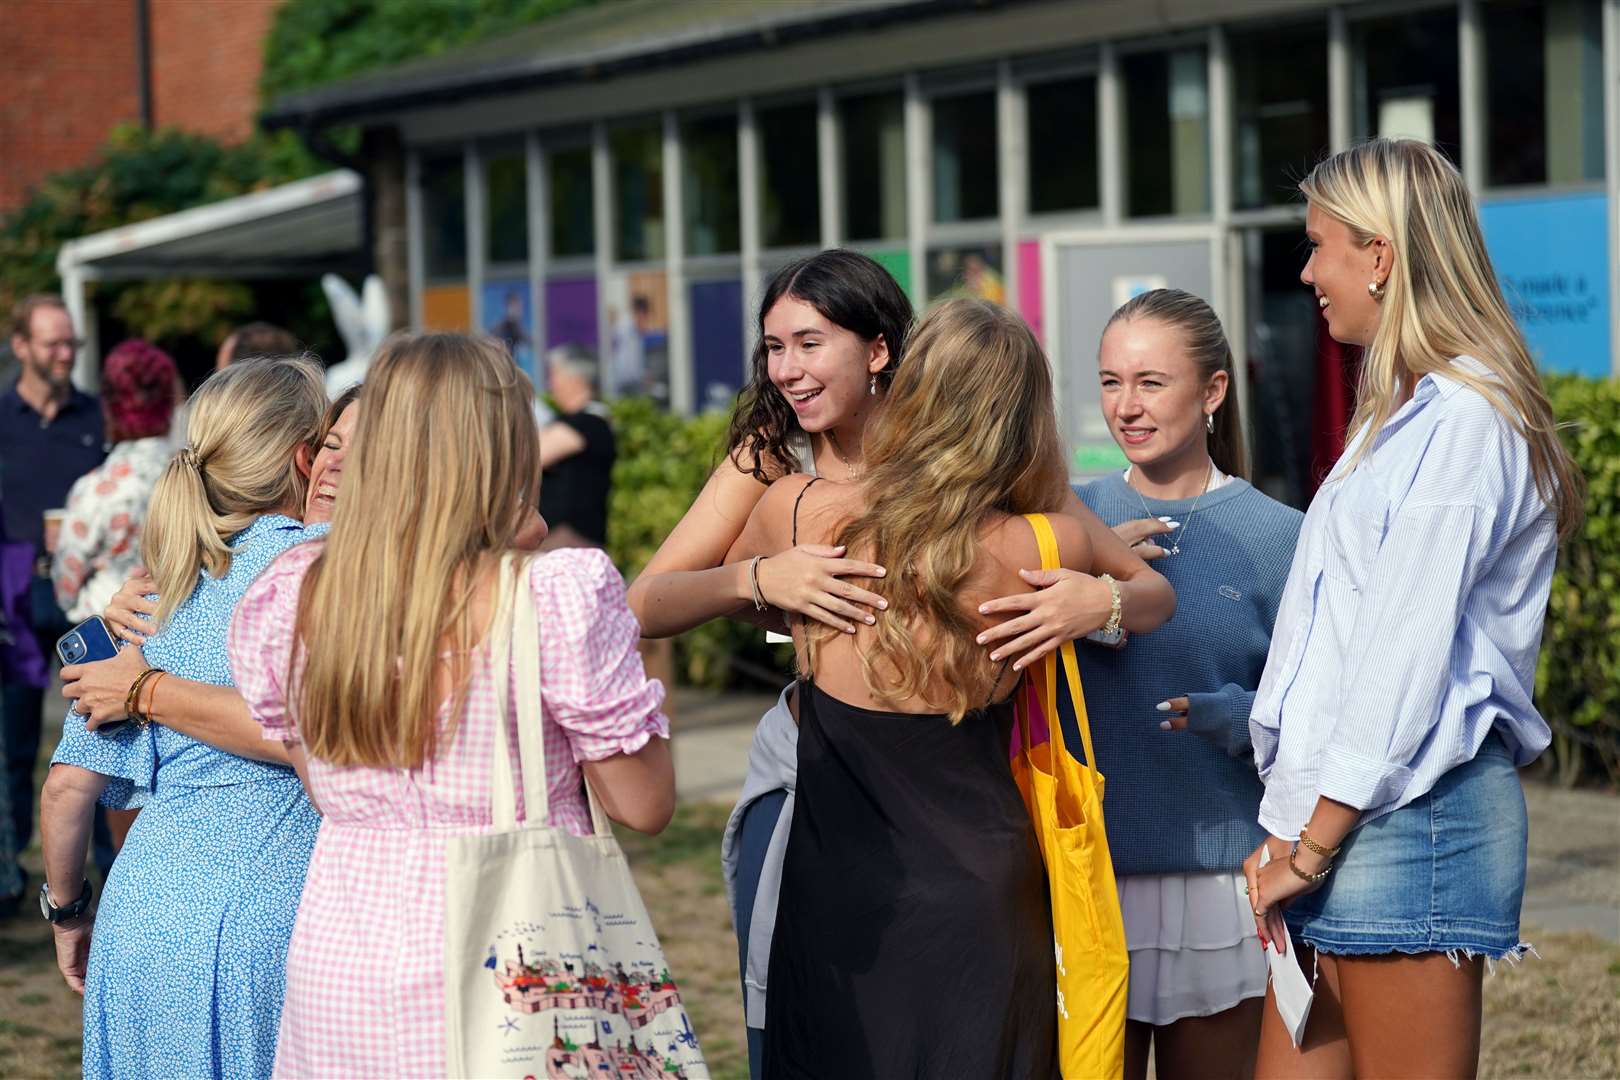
(515, 663)
(1051, 559)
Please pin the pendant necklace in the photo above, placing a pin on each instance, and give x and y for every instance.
(1176, 549)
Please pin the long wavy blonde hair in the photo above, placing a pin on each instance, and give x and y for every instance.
(244, 426)
(445, 467)
(1441, 300)
(968, 432)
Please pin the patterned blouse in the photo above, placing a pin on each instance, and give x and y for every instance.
(100, 541)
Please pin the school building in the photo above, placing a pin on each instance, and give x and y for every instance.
(626, 175)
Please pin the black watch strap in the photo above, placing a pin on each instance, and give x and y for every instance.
(66, 912)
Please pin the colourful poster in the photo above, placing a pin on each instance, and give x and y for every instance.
(446, 307)
(897, 261)
(571, 313)
(1551, 256)
(509, 317)
(1031, 302)
(966, 271)
(637, 309)
(718, 353)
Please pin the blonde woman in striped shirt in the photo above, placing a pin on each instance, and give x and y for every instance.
(1396, 700)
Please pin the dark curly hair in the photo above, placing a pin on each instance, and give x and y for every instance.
(854, 292)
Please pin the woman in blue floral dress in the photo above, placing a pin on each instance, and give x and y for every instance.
(186, 971)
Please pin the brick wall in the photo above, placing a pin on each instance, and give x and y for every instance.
(206, 57)
(70, 77)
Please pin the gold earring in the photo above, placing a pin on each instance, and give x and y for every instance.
(1375, 289)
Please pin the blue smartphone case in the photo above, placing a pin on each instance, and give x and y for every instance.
(86, 642)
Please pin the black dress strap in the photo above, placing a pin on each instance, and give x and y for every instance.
(796, 503)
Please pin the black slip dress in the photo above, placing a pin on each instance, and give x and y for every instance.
(914, 929)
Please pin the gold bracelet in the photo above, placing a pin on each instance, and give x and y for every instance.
(1302, 875)
(132, 701)
(1116, 609)
(151, 697)
(1312, 845)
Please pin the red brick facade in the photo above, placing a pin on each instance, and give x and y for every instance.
(72, 75)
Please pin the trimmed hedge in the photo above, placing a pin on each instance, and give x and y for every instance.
(1578, 679)
(663, 463)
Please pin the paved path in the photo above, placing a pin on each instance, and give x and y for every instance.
(1573, 882)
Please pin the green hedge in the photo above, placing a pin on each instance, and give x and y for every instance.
(663, 463)
(1578, 679)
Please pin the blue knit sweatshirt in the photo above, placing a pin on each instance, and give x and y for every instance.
(1176, 801)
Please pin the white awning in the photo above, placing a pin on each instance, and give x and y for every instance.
(302, 228)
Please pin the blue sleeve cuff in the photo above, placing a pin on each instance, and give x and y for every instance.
(1222, 717)
(1358, 781)
(125, 754)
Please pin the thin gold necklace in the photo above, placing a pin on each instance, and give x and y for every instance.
(853, 469)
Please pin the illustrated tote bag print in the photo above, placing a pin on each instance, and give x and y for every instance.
(551, 966)
(1065, 798)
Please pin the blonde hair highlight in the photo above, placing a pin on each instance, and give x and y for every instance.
(968, 432)
(445, 467)
(244, 426)
(1441, 300)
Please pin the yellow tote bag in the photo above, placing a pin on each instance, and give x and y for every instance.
(1065, 804)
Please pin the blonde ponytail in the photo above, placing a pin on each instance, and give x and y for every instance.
(243, 428)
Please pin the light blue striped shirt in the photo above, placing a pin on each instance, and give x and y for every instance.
(1412, 617)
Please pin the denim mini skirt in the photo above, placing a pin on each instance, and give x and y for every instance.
(1445, 873)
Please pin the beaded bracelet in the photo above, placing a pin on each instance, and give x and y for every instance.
(1320, 875)
(1116, 607)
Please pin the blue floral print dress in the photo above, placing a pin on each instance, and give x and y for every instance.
(188, 954)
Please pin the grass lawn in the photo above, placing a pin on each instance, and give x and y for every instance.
(1557, 1017)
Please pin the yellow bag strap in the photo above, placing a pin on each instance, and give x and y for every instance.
(1051, 559)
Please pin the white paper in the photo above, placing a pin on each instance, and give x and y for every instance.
(1291, 989)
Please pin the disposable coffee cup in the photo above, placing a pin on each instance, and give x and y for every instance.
(53, 526)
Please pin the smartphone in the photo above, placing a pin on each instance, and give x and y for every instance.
(86, 642)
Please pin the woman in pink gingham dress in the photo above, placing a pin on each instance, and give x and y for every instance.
(365, 977)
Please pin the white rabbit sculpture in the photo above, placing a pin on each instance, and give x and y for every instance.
(362, 320)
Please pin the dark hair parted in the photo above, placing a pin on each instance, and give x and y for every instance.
(847, 288)
(1206, 342)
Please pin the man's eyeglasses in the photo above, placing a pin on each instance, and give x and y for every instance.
(72, 345)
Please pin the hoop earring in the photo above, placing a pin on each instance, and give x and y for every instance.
(1209, 423)
(871, 387)
(1375, 289)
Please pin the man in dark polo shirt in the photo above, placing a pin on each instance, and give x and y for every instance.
(50, 435)
(576, 454)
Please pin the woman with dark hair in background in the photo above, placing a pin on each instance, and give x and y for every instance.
(833, 330)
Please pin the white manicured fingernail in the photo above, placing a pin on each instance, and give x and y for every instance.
(1163, 706)
(984, 609)
(1164, 725)
(1165, 518)
(980, 639)
(1172, 524)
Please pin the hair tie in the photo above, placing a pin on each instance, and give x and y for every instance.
(189, 456)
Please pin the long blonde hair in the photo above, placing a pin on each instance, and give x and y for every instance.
(1441, 300)
(244, 427)
(968, 431)
(445, 467)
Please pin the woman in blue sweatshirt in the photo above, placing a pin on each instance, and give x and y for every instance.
(1170, 710)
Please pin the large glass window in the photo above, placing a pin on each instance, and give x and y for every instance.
(638, 188)
(1062, 142)
(874, 167)
(1280, 93)
(709, 185)
(789, 177)
(1544, 90)
(444, 216)
(1166, 132)
(506, 206)
(1406, 76)
(965, 157)
(573, 202)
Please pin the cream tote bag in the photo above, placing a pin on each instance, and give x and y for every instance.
(551, 966)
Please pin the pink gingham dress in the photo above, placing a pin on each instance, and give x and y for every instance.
(365, 974)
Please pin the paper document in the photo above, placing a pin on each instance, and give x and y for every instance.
(1288, 983)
